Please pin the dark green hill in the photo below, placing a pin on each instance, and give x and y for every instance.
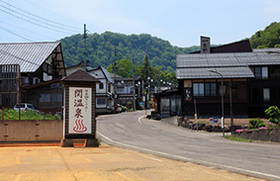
(267, 38)
(101, 49)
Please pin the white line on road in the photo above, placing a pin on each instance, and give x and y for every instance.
(190, 159)
(159, 160)
(139, 119)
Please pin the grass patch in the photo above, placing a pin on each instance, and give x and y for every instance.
(11, 114)
(237, 138)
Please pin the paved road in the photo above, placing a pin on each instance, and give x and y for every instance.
(132, 130)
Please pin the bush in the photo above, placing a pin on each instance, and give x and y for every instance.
(274, 113)
(256, 123)
(11, 114)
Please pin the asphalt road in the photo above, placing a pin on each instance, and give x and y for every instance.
(132, 130)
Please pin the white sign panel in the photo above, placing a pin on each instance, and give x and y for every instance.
(79, 110)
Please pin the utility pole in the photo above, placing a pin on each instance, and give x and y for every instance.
(85, 46)
(115, 62)
(230, 103)
(134, 103)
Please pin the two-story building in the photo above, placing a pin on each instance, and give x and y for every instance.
(251, 82)
(104, 90)
(41, 66)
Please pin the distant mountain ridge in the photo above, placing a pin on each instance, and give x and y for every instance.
(101, 49)
(267, 38)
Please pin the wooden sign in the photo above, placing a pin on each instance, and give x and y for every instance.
(80, 110)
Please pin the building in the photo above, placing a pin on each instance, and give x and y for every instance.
(239, 46)
(125, 92)
(104, 90)
(251, 82)
(38, 63)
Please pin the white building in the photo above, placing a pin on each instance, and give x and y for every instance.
(104, 90)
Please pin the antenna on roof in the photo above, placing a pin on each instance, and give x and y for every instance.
(85, 62)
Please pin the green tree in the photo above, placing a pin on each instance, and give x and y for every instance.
(101, 49)
(267, 38)
(124, 67)
(144, 70)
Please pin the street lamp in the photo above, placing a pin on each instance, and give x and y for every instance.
(222, 97)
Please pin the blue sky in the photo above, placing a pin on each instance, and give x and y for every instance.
(181, 22)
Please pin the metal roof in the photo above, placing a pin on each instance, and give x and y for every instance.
(267, 50)
(107, 74)
(29, 56)
(230, 65)
(202, 73)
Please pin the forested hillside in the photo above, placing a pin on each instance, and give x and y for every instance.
(101, 49)
(267, 38)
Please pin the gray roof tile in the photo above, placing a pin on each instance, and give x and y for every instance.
(231, 65)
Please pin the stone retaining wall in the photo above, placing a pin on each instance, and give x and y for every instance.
(262, 135)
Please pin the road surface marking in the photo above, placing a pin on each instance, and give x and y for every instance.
(105, 137)
(151, 158)
(139, 119)
(190, 159)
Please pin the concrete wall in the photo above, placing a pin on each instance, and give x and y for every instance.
(31, 130)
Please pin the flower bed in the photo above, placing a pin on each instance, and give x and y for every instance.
(262, 134)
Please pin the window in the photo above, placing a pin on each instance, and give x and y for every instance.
(198, 89)
(101, 85)
(109, 87)
(264, 73)
(45, 98)
(266, 94)
(101, 101)
(210, 89)
(56, 97)
(260, 72)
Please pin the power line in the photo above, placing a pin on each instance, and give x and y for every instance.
(34, 23)
(47, 20)
(14, 33)
(23, 29)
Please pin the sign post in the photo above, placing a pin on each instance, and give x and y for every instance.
(79, 109)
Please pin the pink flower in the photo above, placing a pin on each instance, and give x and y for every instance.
(262, 128)
(239, 131)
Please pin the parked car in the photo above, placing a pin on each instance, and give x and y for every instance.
(25, 107)
(119, 108)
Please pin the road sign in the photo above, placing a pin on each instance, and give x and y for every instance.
(216, 120)
(211, 120)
